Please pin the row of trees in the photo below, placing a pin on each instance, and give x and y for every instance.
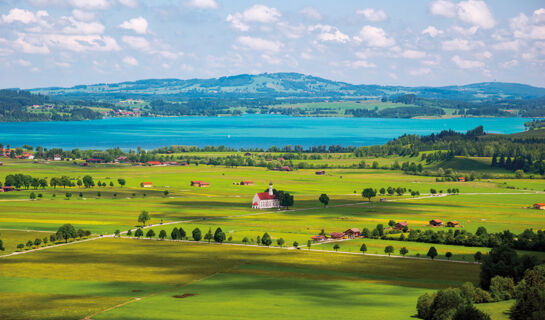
(19, 180)
(65, 232)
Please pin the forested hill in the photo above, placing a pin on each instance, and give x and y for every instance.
(287, 85)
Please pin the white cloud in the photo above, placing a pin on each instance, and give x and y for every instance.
(525, 27)
(374, 37)
(413, 54)
(186, 68)
(202, 4)
(329, 33)
(291, 31)
(80, 27)
(432, 31)
(83, 15)
(484, 55)
(420, 71)
(362, 64)
(23, 63)
(138, 25)
(271, 59)
(63, 64)
(80, 43)
(257, 13)
(507, 45)
(90, 4)
(259, 44)
(509, 64)
(139, 43)
(467, 64)
(466, 32)
(311, 13)
(474, 12)
(19, 15)
(131, 61)
(460, 45)
(27, 47)
(372, 14)
(443, 8)
(129, 3)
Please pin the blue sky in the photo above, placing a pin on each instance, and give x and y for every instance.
(70, 42)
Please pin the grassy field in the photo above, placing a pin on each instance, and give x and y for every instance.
(93, 276)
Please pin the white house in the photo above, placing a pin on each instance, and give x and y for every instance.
(265, 200)
(57, 157)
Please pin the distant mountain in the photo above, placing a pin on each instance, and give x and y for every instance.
(276, 85)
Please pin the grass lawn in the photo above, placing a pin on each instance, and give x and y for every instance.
(96, 275)
(497, 310)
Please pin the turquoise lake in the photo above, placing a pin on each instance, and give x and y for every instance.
(248, 131)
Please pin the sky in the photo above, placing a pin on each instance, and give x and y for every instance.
(392, 42)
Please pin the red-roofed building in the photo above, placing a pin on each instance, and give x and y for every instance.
(337, 235)
(453, 224)
(146, 184)
(401, 225)
(321, 172)
(539, 206)
(318, 238)
(285, 168)
(199, 183)
(461, 179)
(353, 233)
(436, 223)
(246, 183)
(154, 163)
(265, 200)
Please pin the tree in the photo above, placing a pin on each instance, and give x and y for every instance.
(336, 247)
(504, 261)
(432, 253)
(150, 234)
(129, 232)
(80, 233)
(45, 240)
(391, 223)
(165, 193)
(121, 182)
(144, 217)
(382, 191)
(32, 196)
(530, 295)
(258, 240)
(478, 256)
(363, 248)
(380, 229)
(369, 193)
(219, 236)
(139, 233)
(403, 251)
(174, 234)
(29, 244)
(309, 244)
(37, 242)
(66, 232)
(20, 246)
(52, 238)
(280, 242)
(519, 174)
(111, 183)
(87, 181)
(68, 195)
(286, 200)
(266, 239)
(182, 233)
(245, 240)
(433, 191)
(448, 255)
(162, 234)
(117, 233)
(468, 311)
(389, 250)
(295, 244)
(208, 236)
(197, 236)
(324, 199)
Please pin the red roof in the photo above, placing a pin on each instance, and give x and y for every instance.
(337, 235)
(541, 204)
(154, 163)
(265, 196)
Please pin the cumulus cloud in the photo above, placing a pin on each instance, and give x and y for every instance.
(257, 13)
(23, 63)
(79, 43)
(28, 47)
(362, 64)
(474, 12)
(202, 4)
(139, 43)
(83, 15)
(138, 25)
(524, 27)
(129, 3)
(432, 31)
(419, 71)
(374, 37)
(460, 45)
(467, 64)
(413, 54)
(329, 33)
(311, 13)
(22, 16)
(259, 44)
(509, 64)
(130, 61)
(80, 27)
(507, 45)
(90, 4)
(373, 15)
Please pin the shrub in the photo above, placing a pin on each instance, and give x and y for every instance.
(469, 312)
(423, 305)
(445, 304)
(530, 295)
(502, 288)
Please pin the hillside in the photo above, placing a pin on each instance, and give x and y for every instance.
(288, 85)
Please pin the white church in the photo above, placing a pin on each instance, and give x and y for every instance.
(265, 200)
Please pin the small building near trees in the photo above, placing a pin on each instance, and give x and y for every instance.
(401, 225)
(146, 184)
(453, 224)
(353, 233)
(539, 206)
(436, 223)
(200, 184)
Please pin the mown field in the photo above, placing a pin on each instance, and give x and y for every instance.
(239, 282)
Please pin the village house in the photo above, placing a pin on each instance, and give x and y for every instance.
(200, 184)
(247, 154)
(280, 159)
(461, 179)
(154, 163)
(337, 235)
(27, 155)
(318, 238)
(453, 224)
(285, 168)
(265, 200)
(57, 157)
(121, 159)
(146, 184)
(539, 206)
(321, 172)
(436, 223)
(353, 233)
(401, 225)
(93, 160)
(7, 189)
(246, 183)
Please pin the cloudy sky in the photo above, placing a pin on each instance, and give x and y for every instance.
(70, 42)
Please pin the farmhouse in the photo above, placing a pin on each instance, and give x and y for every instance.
(57, 157)
(353, 233)
(94, 160)
(154, 163)
(539, 206)
(401, 225)
(453, 224)
(337, 235)
(246, 183)
(28, 155)
(7, 188)
(146, 184)
(121, 159)
(318, 238)
(461, 179)
(247, 154)
(200, 184)
(436, 223)
(265, 200)
(321, 172)
(285, 168)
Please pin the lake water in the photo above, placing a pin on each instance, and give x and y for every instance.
(246, 131)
